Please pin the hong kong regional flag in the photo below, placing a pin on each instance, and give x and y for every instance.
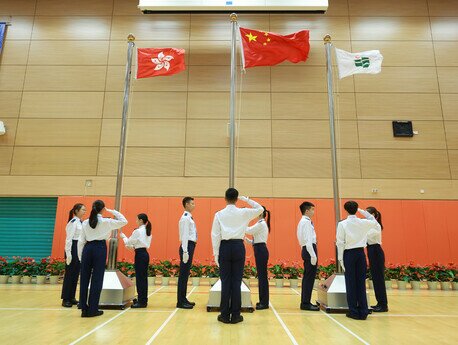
(267, 49)
(155, 62)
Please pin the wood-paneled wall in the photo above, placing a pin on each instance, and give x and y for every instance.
(61, 83)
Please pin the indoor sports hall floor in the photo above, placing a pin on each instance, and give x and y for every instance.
(31, 314)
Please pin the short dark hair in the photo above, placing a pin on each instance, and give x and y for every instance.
(351, 207)
(187, 200)
(306, 205)
(232, 195)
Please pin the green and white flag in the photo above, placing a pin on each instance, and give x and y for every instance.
(369, 62)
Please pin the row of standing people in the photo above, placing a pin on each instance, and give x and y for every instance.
(86, 243)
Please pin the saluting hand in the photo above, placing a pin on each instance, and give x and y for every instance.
(244, 198)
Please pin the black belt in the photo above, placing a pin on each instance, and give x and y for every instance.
(97, 241)
(259, 244)
(75, 241)
(354, 249)
(233, 240)
(140, 249)
(375, 244)
(192, 242)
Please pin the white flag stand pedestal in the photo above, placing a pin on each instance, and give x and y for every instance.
(117, 291)
(332, 296)
(214, 299)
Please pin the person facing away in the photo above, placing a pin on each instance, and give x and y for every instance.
(307, 240)
(228, 232)
(92, 252)
(351, 240)
(140, 241)
(188, 240)
(72, 267)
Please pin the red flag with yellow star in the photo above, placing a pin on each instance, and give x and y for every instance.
(268, 49)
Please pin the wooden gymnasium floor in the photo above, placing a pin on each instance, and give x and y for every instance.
(31, 314)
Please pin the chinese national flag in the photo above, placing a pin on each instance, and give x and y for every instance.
(268, 49)
(155, 62)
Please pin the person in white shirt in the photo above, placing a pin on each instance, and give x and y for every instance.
(260, 232)
(376, 258)
(188, 239)
(140, 241)
(307, 241)
(351, 240)
(228, 231)
(92, 251)
(72, 267)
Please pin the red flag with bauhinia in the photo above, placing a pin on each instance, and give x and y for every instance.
(155, 62)
(268, 49)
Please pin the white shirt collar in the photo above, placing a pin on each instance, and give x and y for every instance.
(351, 216)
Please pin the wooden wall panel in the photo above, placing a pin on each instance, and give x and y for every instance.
(379, 134)
(6, 154)
(15, 52)
(453, 158)
(445, 53)
(21, 26)
(448, 79)
(11, 77)
(450, 106)
(400, 79)
(145, 133)
(389, 8)
(58, 132)
(73, 8)
(381, 28)
(215, 105)
(311, 106)
(65, 78)
(71, 28)
(314, 163)
(398, 106)
(60, 105)
(68, 53)
(408, 164)
(141, 161)
(72, 161)
(163, 105)
(451, 130)
(444, 28)
(18, 7)
(10, 102)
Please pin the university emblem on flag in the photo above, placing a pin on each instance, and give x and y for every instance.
(362, 61)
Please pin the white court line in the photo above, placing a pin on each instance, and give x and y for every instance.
(38, 309)
(337, 322)
(108, 321)
(155, 335)
(291, 337)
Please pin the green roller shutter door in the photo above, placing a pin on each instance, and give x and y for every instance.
(27, 226)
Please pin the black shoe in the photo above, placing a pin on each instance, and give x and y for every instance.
(236, 319)
(79, 306)
(74, 301)
(184, 306)
(223, 319)
(67, 304)
(353, 316)
(379, 309)
(310, 307)
(97, 313)
(375, 306)
(191, 303)
(261, 306)
(139, 305)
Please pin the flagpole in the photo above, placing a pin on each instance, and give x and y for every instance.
(233, 18)
(335, 177)
(113, 244)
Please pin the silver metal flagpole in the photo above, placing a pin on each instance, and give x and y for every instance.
(332, 294)
(233, 18)
(119, 290)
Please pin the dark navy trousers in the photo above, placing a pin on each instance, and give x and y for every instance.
(377, 266)
(261, 255)
(185, 269)
(231, 264)
(355, 281)
(93, 263)
(141, 274)
(308, 279)
(72, 273)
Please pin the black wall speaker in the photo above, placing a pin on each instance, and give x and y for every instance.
(402, 129)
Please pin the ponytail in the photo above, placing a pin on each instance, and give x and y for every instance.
(97, 207)
(73, 211)
(143, 217)
(266, 216)
(378, 216)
